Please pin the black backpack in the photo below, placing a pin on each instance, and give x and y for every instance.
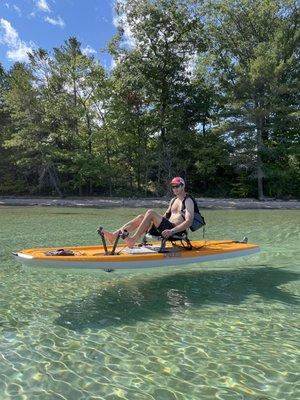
(198, 220)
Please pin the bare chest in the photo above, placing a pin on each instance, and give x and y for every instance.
(176, 207)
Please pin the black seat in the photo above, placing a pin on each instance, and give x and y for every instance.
(180, 236)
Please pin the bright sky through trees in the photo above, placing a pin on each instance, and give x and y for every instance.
(30, 24)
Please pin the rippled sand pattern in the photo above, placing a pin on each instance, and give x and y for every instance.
(221, 330)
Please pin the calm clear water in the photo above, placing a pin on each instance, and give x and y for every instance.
(221, 330)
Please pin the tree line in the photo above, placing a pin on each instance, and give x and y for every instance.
(208, 90)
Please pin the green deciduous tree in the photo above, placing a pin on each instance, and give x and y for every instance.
(253, 58)
(53, 105)
(204, 89)
(166, 35)
(83, 83)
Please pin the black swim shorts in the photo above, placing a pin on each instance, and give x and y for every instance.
(165, 224)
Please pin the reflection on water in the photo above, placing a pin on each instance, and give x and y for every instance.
(222, 330)
(119, 304)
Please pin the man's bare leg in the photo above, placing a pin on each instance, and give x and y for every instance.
(129, 226)
(149, 218)
(133, 224)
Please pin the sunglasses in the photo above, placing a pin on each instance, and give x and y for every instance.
(176, 186)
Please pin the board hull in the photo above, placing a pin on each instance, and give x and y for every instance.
(93, 257)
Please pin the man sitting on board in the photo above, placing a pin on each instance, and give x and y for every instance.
(173, 221)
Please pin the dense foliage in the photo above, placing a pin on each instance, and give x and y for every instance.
(208, 90)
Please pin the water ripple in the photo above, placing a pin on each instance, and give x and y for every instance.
(220, 331)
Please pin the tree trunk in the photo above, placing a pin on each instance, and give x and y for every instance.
(90, 134)
(88, 122)
(75, 104)
(54, 181)
(259, 163)
(259, 147)
(107, 151)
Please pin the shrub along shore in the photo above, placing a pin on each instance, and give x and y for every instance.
(204, 203)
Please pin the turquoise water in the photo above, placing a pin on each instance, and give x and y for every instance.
(221, 330)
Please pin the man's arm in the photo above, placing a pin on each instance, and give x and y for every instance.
(169, 208)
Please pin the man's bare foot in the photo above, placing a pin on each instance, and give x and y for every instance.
(110, 236)
(130, 242)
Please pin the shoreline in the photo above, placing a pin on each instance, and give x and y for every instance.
(203, 203)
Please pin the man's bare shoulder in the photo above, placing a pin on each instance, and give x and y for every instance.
(189, 202)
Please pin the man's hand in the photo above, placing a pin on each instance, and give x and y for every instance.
(167, 233)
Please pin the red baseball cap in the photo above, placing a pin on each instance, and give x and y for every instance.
(177, 181)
